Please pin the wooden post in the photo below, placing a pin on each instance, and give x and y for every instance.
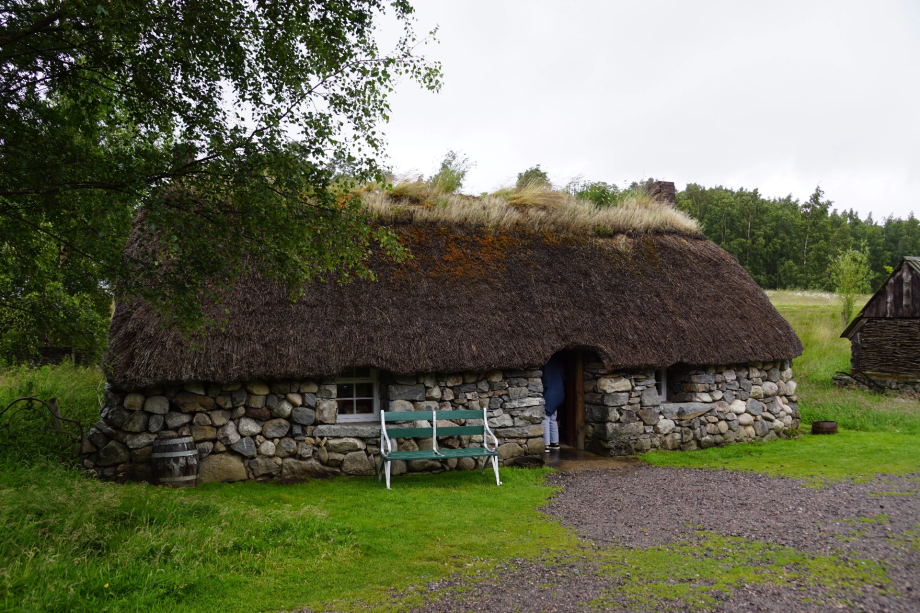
(579, 400)
(55, 414)
(570, 410)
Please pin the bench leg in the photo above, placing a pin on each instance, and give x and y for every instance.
(495, 466)
(386, 469)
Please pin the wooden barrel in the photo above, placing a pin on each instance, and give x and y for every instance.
(174, 461)
(824, 427)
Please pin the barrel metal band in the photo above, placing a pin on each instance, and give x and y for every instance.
(174, 454)
(173, 479)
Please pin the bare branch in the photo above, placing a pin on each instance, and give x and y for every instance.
(39, 25)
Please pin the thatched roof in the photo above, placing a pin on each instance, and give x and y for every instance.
(475, 298)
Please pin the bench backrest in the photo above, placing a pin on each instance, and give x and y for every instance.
(387, 417)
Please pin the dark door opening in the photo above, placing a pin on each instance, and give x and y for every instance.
(571, 415)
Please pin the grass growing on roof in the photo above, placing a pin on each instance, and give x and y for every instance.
(72, 543)
(535, 206)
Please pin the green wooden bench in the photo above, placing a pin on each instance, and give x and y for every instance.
(388, 432)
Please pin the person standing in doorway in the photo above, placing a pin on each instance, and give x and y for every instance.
(554, 395)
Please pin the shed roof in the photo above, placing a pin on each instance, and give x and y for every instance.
(873, 307)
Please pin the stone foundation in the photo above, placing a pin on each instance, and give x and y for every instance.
(901, 386)
(290, 429)
(705, 407)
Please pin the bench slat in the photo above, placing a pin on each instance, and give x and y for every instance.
(427, 454)
(406, 415)
(467, 452)
(457, 430)
(460, 414)
(410, 432)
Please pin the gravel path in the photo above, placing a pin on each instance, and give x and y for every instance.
(643, 506)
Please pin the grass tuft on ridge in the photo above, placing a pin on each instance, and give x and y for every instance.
(535, 206)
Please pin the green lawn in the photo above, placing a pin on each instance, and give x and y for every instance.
(71, 543)
(849, 454)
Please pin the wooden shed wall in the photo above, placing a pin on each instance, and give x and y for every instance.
(888, 347)
(900, 297)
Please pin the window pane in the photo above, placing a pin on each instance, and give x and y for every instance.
(364, 390)
(362, 373)
(346, 406)
(346, 390)
(364, 405)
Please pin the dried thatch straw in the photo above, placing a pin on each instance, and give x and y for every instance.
(488, 287)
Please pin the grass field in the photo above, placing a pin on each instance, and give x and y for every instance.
(71, 543)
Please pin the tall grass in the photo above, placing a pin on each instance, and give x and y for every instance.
(78, 390)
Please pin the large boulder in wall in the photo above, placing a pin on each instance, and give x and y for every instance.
(222, 468)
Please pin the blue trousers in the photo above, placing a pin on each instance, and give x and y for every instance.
(550, 429)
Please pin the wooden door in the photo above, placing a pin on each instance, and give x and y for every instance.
(575, 399)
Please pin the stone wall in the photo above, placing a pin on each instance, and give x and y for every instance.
(705, 407)
(909, 388)
(289, 429)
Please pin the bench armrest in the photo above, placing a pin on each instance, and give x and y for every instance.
(487, 432)
(384, 437)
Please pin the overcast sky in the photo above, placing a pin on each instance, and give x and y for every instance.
(782, 96)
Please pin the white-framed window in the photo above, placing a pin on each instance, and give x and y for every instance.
(357, 395)
(661, 382)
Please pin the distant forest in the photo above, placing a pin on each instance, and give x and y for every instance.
(784, 243)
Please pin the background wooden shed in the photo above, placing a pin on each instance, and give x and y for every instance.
(885, 336)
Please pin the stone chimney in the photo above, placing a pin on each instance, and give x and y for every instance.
(663, 191)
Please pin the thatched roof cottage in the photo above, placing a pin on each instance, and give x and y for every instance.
(668, 343)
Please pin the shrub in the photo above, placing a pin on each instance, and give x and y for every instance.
(533, 177)
(449, 178)
(850, 273)
(600, 193)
